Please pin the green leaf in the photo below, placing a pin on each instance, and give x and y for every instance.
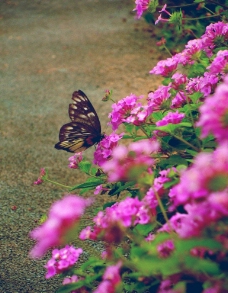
(174, 160)
(157, 116)
(143, 230)
(130, 128)
(202, 265)
(170, 128)
(85, 166)
(125, 136)
(119, 188)
(90, 183)
(196, 70)
(191, 152)
(195, 97)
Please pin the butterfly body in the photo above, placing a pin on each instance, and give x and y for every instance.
(84, 130)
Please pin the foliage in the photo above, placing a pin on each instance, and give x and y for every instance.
(181, 21)
(167, 232)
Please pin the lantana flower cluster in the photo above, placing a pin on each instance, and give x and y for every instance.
(104, 150)
(62, 260)
(63, 216)
(128, 110)
(127, 213)
(110, 280)
(128, 160)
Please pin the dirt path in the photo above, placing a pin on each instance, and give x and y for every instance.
(49, 49)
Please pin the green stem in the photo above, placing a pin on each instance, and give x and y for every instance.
(164, 213)
(192, 4)
(209, 10)
(56, 183)
(186, 142)
(192, 121)
(203, 17)
(143, 130)
(167, 50)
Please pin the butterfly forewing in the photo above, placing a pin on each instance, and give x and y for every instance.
(82, 111)
(85, 128)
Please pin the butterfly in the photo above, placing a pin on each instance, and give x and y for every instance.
(84, 130)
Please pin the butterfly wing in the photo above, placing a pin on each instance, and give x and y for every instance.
(85, 128)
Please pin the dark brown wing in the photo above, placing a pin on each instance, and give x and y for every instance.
(85, 128)
(82, 111)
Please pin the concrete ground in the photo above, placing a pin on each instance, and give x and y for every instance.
(49, 48)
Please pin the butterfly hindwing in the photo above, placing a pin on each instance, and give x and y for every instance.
(85, 128)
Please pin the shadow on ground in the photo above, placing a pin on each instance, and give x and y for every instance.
(49, 49)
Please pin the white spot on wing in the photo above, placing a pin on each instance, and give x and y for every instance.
(82, 116)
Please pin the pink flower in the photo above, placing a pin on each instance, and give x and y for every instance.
(75, 279)
(75, 160)
(98, 189)
(72, 279)
(160, 18)
(165, 67)
(166, 286)
(141, 6)
(204, 84)
(178, 79)
(220, 63)
(179, 100)
(215, 34)
(159, 99)
(214, 113)
(40, 178)
(171, 118)
(62, 259)
(129, 162)
(63, 216)
(111, 223)
(165, 248)
(128, 110)
(208, 174)
(111, 279)
(158, 189)
(104, 149)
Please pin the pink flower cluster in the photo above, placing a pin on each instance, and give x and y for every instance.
(203, 192)
(150, 199)
(75, 160)
(165, 248)
(75, 279)
(214, 113)
(62, 259)
(63, 216)
(110, 223)
(105, 148)
(217, 32)
(129, 162)
(174, 95)
(173, 118)
(128, 110)
(208, 174)
(111, 279)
